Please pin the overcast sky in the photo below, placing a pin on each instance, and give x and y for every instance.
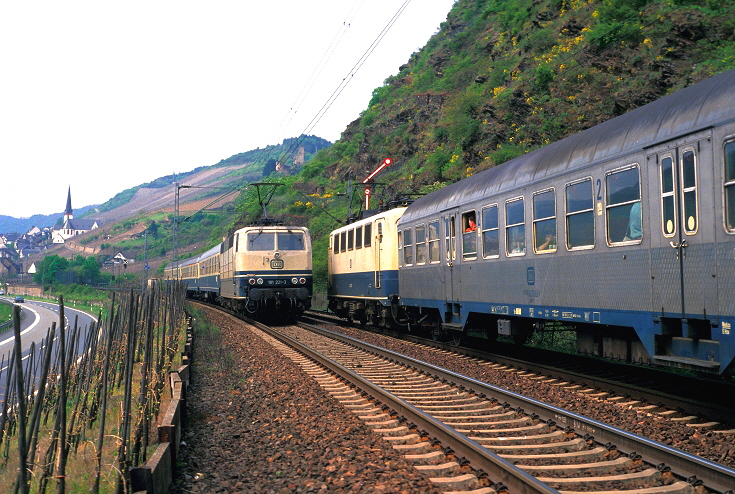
(102, 96)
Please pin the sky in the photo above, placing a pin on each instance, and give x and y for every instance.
(104, 96)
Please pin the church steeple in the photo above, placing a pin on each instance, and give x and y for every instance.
(68, 212)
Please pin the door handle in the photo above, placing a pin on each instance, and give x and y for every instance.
(680, 248)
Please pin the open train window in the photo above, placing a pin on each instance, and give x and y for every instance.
(730, 185)
(668, 196)
(690, 222)
(515, 227)
(580, 215)
(623, 208)
(490, 232)
(544, 221)
(469, 235)
(343, 241)
(407, 247)
(290, 241)
(368, 235)
(420, 244)
(358, 237)
(351, 239)
(434, 241)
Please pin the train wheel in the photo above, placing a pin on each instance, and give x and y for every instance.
(436, 333)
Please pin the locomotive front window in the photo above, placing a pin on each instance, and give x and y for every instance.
(668, 197)
(290, 241)
(407, 247)
(490, 232)
(358, 237)
(261, 241)
(434, 241)
(420, 244)
(730, 185)
(689, 191)
(623, 193)
(544, 222)
(515, 227)
(580, 215)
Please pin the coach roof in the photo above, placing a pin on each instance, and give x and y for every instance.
(696, 107)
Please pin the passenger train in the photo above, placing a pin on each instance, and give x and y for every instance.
(624, 232)
(258, 270)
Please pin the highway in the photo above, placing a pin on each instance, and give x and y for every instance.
(35, 322)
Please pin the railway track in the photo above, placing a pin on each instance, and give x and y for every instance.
(699, 401)
(481, 434)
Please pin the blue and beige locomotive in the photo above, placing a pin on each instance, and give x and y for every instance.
(257, 270)
(624, 232)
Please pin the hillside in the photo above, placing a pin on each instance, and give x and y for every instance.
(502, 78)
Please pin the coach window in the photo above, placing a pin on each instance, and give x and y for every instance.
(420, 244)
(358, 237)
(351, 239)
(668, 197)
(689, 191)
(343, 241)
(544, 221)
(580, 215)
(407, 247)
(623, 193)
(434, 241)
(368, 235)
(469, 235)
(401, 262)
(490, 232)
(335, 243)
(450, 235)
(515, 227)
(730, 185)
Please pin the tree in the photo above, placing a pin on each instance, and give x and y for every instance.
(49, 268)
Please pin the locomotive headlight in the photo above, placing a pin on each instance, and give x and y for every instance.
(260, 281)
(251, 281)
(294, 281)
(302, 280)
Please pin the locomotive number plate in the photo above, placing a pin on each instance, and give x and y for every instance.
(276, 282)
(276, 263)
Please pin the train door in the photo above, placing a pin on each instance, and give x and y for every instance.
(683, 239)
(377, 275)
(450, 267)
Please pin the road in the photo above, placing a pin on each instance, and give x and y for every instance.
(35, 322)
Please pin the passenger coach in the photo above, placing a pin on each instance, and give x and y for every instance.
(625, 232)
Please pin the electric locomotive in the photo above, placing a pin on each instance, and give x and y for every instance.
(624, 232)
(363, 269)
(257, 270)
(267, 268)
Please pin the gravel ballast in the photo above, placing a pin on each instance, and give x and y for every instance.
(257, 423)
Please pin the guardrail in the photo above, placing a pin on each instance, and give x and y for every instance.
(156, 476)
